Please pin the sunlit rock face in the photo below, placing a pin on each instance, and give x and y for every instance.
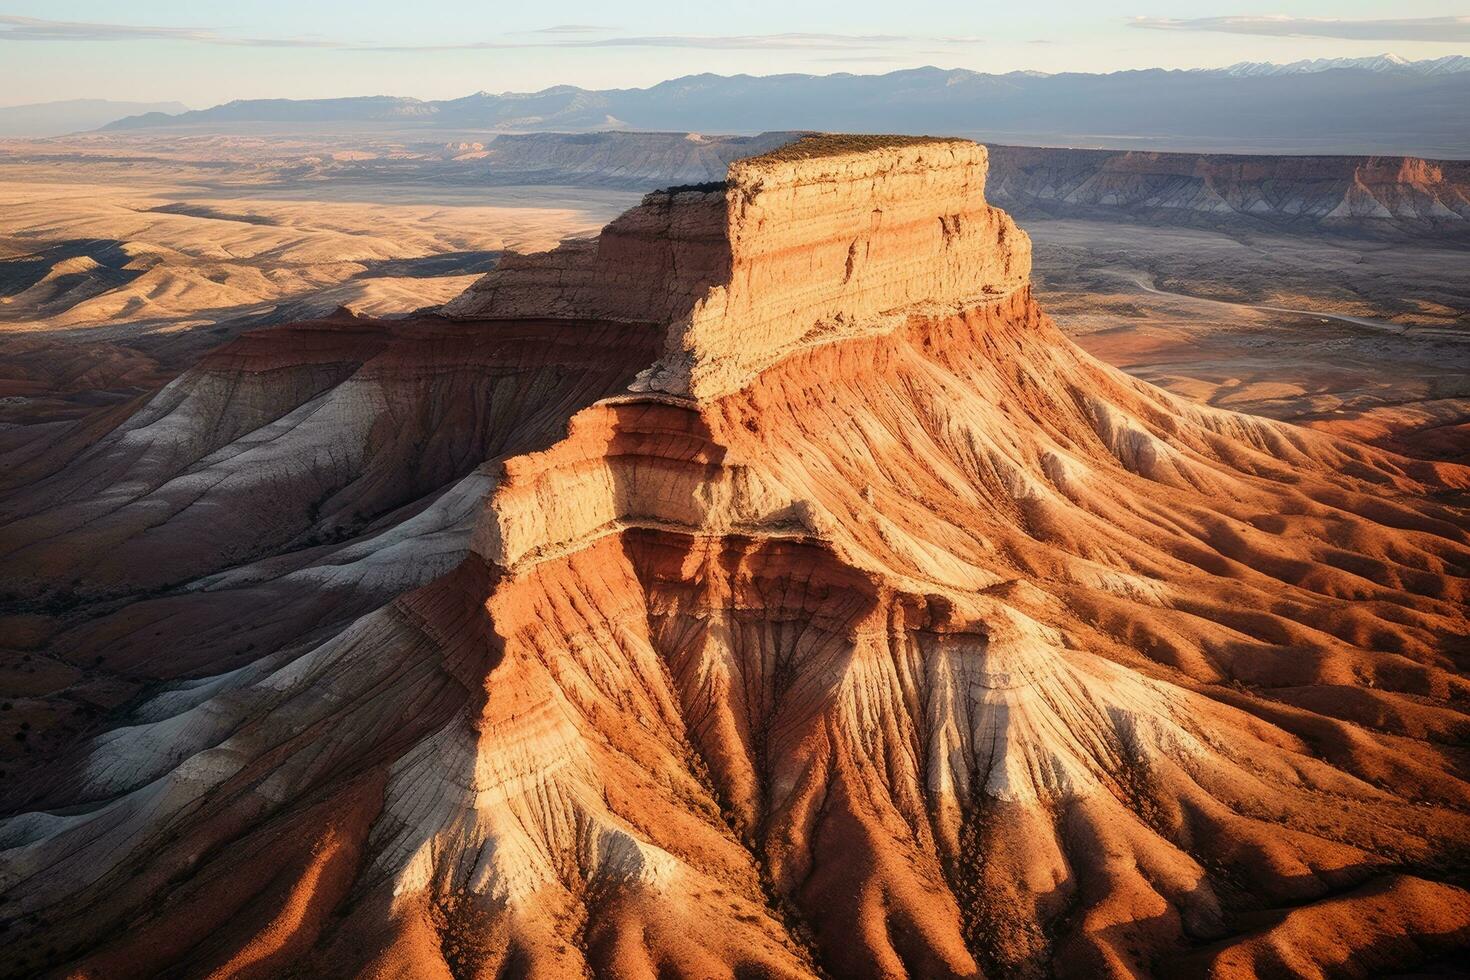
(827, 237)
(764, 588)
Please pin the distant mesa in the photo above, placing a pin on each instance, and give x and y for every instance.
(1393, 197)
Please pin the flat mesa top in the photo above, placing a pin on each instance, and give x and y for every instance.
(837, 144)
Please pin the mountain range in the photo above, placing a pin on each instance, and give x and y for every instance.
(1388, 63)
(1381, 106)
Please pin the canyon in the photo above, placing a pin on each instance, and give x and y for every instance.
(765, 586)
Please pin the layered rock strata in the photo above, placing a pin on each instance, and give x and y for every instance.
(874, 632)
(812, 242)
(1374, 196)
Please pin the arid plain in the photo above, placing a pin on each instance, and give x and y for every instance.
(120, 264)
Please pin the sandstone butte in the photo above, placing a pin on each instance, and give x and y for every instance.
(764, 588)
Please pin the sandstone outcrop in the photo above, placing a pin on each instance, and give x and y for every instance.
(826, 238)
(801, 603)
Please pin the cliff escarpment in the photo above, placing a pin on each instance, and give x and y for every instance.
(1363, 195)
(825, 238)
(765, 588)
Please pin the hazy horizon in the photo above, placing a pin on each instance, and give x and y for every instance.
(194, 105)
(209, 53)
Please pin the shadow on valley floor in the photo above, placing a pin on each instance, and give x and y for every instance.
(475, 263)
(37, 277)
(201, 211)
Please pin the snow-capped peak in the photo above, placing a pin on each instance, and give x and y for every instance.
(1386, 63)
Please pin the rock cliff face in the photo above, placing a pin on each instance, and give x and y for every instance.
(826, 238)
(650, 265)
(1386, 196)
(799, 602)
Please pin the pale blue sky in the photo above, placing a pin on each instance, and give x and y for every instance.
(204, 51)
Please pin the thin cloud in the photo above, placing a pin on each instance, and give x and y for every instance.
(758, 41)
(13, 28)
(39, 29)
(1449, 29)
(886, 58)
(716, 42)
(571, 29)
